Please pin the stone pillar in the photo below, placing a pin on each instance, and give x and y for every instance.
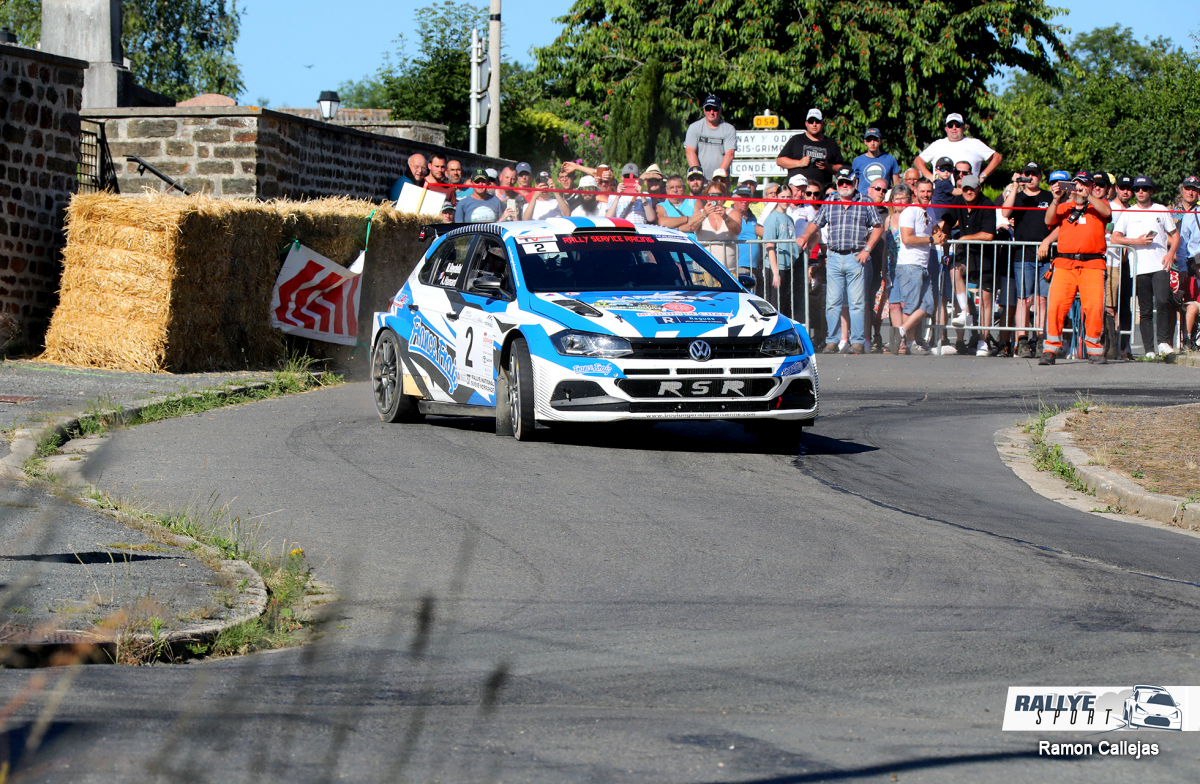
(90, 30)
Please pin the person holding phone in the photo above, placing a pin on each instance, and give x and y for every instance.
(629, 203)
(1152, 237)
(543, 203)
(715, 228)
(1079, 222)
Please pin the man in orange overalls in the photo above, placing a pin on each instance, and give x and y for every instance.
(1078, 266)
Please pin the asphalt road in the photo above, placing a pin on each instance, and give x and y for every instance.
(662, 605)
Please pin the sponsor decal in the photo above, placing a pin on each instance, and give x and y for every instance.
(525, 240)
(679, 307)
(794, 367)
(687, 319)
(476, 333)
(436, 349)
(398, 302)
(703, 387)
(1099, 709)
(594, 369)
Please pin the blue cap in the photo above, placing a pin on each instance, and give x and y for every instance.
(1083, 176)
(873, 132)
(524, 168)
(1060, 176)
(1143, 181)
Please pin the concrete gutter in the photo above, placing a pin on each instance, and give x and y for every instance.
(1115, 489)
(251, 600)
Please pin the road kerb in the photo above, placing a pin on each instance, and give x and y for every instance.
(1113, 488)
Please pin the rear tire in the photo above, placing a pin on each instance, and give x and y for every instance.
(520, 391)
(387, 381)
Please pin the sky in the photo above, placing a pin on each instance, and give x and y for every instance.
(291, 50)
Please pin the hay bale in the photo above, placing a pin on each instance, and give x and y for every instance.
(161, 283)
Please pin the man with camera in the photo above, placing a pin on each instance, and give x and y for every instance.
(1025, 206)
(1079, 224)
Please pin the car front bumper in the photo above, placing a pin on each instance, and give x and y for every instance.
(603, 390)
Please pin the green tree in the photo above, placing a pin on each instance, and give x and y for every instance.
(643, 128)
(1115, 104)
(180, 48)
(900, 65)
(366, 93)
(435, 85)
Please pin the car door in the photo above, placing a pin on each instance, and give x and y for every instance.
(430, 345)
(477, 334)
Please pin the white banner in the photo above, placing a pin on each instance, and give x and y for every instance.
(1099, 709)
(317, 299)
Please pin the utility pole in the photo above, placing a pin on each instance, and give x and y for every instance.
(493, 125)
(474, 120)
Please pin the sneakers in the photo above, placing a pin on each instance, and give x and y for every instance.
(1024, 350)
(1150, 355)
(857, 348)
(981, 349)
(1048, 358)
(960, 347)
(877, 346)
(831, 348)
(1165, 349)
(960, 320)
(1097, 359)
(918, 349)
(948, 350)
(1000, 350)
(843, 347)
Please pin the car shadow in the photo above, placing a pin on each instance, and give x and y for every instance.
(685, 436)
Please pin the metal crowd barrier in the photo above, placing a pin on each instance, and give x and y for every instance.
(993, 279)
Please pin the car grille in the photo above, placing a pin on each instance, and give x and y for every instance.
(1158, 721)
(696, 388)
(677, 348)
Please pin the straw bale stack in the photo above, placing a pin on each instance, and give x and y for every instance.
(161, 283)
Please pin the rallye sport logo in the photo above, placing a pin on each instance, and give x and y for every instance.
(432, 346)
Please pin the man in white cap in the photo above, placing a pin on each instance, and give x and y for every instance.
(958, 147)
(588, 206)
(710, 142)
(811, 153)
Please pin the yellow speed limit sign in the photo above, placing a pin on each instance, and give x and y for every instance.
(766, 121)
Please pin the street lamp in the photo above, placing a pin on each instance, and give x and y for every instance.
(329, 105)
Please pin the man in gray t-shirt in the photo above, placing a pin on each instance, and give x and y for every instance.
(711, 143)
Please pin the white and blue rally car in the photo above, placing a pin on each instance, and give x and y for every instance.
(586, 320)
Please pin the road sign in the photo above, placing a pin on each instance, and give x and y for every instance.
(758, 168)
(485, 73)
(762, 144)
(766, 121)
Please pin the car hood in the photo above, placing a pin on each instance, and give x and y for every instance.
(659, 313)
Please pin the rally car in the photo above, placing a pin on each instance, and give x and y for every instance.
(586, 320)
(1153, 708)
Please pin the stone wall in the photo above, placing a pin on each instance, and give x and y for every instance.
(248, 152)
(40, 97)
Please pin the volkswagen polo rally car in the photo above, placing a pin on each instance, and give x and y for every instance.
(586, 320)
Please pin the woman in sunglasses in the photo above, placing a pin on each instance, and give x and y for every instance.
(715, 228)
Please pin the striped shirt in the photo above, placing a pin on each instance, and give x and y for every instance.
(849, 226)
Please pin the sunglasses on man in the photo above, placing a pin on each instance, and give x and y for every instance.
(954, 125)
(877, 188)
(1142, 189)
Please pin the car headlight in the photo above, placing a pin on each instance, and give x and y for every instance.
(782, 344)
(589, 344)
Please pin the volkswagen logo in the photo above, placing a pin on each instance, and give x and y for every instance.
(700, 351)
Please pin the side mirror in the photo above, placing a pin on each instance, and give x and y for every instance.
(747, 281)
(488, 283)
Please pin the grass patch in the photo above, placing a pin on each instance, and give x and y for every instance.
(297, 375)
(285, 573)
(1156, 448)
(1049, 457)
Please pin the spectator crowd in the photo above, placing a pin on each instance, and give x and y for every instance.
(848, 246)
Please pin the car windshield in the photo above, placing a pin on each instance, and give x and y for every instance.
(620, 262)
(1159, 698)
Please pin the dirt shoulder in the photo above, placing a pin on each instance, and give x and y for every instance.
(1156, 448)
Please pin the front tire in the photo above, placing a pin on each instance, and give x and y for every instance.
(387, 381)
(520, 391)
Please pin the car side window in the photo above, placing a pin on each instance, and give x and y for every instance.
(448, 264)
(490, 259)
